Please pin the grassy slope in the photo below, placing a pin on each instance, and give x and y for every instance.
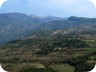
(22, 55)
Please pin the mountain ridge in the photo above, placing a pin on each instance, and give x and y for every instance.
(17, 25)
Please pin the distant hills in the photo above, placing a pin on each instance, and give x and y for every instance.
(16, 25)
(47, 18)
(70, 22)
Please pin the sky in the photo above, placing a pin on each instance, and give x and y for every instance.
(60, 8)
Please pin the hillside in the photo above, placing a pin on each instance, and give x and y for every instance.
(71, 22)
(16, 25)
(57, 53)
(48, 44)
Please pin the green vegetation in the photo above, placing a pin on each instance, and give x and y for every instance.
(59, 53)
(40, 45)
(63, 68)
(80, 63)
(62, 42)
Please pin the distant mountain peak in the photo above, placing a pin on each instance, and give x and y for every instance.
(74, 18)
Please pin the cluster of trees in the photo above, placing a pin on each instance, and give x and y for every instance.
(49, 45)
(80, 63)
(11, 60)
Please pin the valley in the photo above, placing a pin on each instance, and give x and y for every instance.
(32, 44)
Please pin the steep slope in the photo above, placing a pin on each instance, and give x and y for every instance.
(15, 25)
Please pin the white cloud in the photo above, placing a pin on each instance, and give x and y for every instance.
(2, 1)
(93, 1)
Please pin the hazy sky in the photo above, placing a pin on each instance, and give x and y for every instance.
(61, 8)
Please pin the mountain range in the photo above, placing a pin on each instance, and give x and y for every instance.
(17, 25)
